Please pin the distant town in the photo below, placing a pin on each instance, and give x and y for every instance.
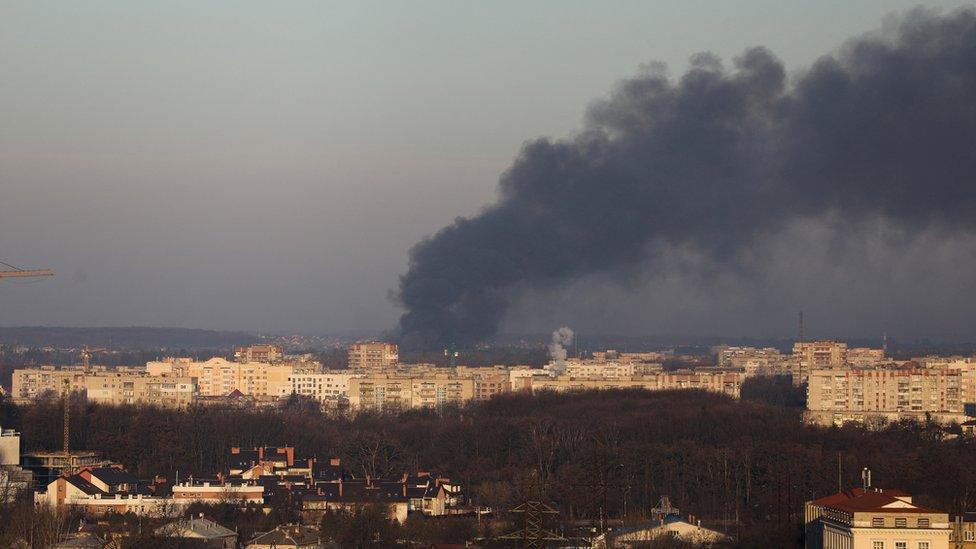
(842, 386)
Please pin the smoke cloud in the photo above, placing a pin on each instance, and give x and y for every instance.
(557, 349)
(714, 162)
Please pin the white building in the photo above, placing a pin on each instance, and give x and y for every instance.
(322, 387)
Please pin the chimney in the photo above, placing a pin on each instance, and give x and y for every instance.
(340, 487)
(261, 453)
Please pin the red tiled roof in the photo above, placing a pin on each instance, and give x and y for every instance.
(858, 500)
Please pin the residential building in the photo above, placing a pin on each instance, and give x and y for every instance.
(821, 354)
(324, 387)
(78, 493)
(9, 447)
(189, 491)
(123, 388)
(737, 357)
(218, 377)
(728, 383)
(29, 383)
(212, 534)
(837, 396)
(874, 519)
(373, 355)
(860, 357)
(393, 392)
(290, 536)
(671, 528)
(259, 353)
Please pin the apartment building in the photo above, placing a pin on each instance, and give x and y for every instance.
(392, 392)
(728, 383)
(259, 353)
(124, 388)
(596, 369)
(837, 396)
(737, 357)
(874, 519)
(372, 355)
(821, 354)
(860, 357)
(325, 387)
(219, 377)
(30, 383)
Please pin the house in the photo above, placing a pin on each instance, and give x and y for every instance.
(84, 495)
(291, 536)
(873, 518)
(110, 480)
(353, 494)
(213, 534)
(670, 527)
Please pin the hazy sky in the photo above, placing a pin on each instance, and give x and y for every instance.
(267, 166)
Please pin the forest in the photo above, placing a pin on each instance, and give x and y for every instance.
(746, 464)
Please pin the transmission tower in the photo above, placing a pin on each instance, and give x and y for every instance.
(533, 534)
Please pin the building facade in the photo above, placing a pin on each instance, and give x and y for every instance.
(373, 355)
(837, 396)
(162, 390)
(874, 519)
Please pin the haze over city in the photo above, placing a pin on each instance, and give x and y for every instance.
(243, 166)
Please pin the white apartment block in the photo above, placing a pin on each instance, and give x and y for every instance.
(595, 369)
(322, 387)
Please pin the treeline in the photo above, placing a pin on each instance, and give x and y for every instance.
(593, 455)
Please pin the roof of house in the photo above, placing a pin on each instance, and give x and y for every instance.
(113, 476)
(292, 535)
(80, 483)
(195, 527)
(872, 500)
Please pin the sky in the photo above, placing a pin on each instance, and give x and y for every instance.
(267, 166)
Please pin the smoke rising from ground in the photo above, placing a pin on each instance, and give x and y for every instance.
(557, 349)
(713, 162)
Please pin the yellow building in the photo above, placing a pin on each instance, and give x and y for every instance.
(393, 392)
(874, 519)
(373, 355)
(836, 396)
(219, 377)
(30, 383)
(124, 388)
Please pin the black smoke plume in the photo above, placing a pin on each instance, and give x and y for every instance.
(883, 128)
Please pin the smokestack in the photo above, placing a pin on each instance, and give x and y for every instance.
(712, 162)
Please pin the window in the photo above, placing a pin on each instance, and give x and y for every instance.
(923, 545)
(923, 523)
(878, 522)
(969, 535)
(901, 545)
(877, 545)
(900, 522)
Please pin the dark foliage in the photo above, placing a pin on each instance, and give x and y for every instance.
(611, 452)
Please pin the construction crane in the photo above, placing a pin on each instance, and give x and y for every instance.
(17, 272)
(86, 354)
